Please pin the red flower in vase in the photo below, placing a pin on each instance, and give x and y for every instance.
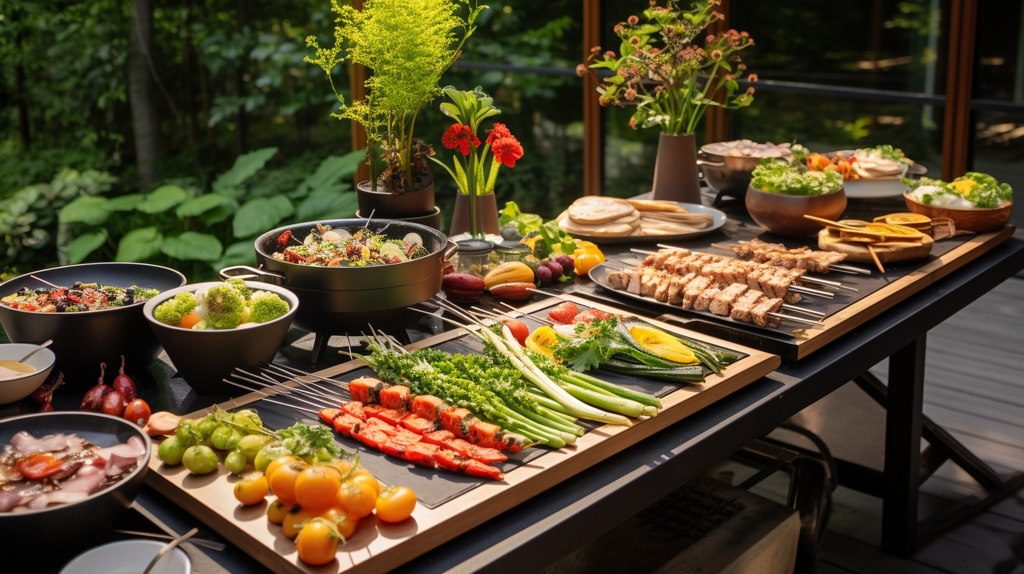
(507, 150)
(497, 132)
(462, 137)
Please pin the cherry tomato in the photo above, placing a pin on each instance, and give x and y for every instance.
(342, 521)
(190, 320)
(519, 330)
(362, 476)
(114, 404)
(39, 466)
(277, 511)
(295, 518)
(282, 482)
(278, 463)
(317, 543)
(138, 412)
(317, 487)
(357, 499)
(395, 504)
(252, 489)
(343, 466)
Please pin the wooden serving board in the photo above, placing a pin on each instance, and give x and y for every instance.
(378, 547)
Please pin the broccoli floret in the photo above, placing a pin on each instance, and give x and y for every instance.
(71, 309)
(171, 311)
(220, 306)
(267, 306)
(239, 286)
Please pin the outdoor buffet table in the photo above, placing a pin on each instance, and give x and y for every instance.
(566, 516)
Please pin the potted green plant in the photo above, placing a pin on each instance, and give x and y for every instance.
(476, 210)
(671, 81)
(406, 45)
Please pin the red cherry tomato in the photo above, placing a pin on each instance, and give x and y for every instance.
(114, 404)
(138, 412)
(39, 466)
(519, 330)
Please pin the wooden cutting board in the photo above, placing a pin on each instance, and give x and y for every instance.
(858, 252)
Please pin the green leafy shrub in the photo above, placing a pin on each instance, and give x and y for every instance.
(200, 232)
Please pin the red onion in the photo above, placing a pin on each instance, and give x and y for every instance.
(124, 384)
(93, 399)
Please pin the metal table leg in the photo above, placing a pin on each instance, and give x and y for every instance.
(903, 449)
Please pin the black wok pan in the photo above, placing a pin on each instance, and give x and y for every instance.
(78, 523)
(82, 340)
(340, 300)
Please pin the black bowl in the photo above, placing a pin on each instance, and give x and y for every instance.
(205, 358)
(82, 340)
(86, 519)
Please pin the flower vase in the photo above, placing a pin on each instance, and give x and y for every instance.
(387, 205)
(486, 214)
(675, 170)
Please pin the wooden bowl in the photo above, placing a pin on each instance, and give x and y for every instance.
(783, 215)
(976, 220)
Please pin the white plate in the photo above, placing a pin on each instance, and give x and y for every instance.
(129, 557)
(718, 221)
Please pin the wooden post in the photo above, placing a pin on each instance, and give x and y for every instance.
(716, 128)
(357, 89)
(957, 132)
(591, 109)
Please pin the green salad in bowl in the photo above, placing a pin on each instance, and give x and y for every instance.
(972, 190)
(779, 177)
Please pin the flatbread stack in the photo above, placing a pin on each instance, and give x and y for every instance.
(598, 216)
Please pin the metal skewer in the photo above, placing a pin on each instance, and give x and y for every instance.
(281, 390)
(809, 291)
(796, 309)
(300, 373)
(272, 401)
(313, 392)
(795, 319)
(850, 269)
(836, 284)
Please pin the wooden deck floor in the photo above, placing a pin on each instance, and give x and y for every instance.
(975, 389)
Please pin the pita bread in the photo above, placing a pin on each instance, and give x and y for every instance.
(655, 205)
(598, 230)
(697, 220)
(593, 210)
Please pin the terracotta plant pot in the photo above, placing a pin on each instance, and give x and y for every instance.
(486, 214)
(386, 205)
(783, 215)
(976, 220)
(675, 171)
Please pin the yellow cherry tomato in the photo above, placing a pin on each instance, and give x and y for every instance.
(395, 504)
(278, 463)
(294, 520)
(317, 542)
(252, 489)
(282, 482)
(363, 476)
(344, 466)
(345, 524)
(317, 487)
(357, 499)
(276, 511)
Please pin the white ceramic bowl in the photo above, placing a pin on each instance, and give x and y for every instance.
(129, 557)
(16, 389)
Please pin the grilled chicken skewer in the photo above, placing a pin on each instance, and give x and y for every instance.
(799, 258)
(698, 292)
(772, 281)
